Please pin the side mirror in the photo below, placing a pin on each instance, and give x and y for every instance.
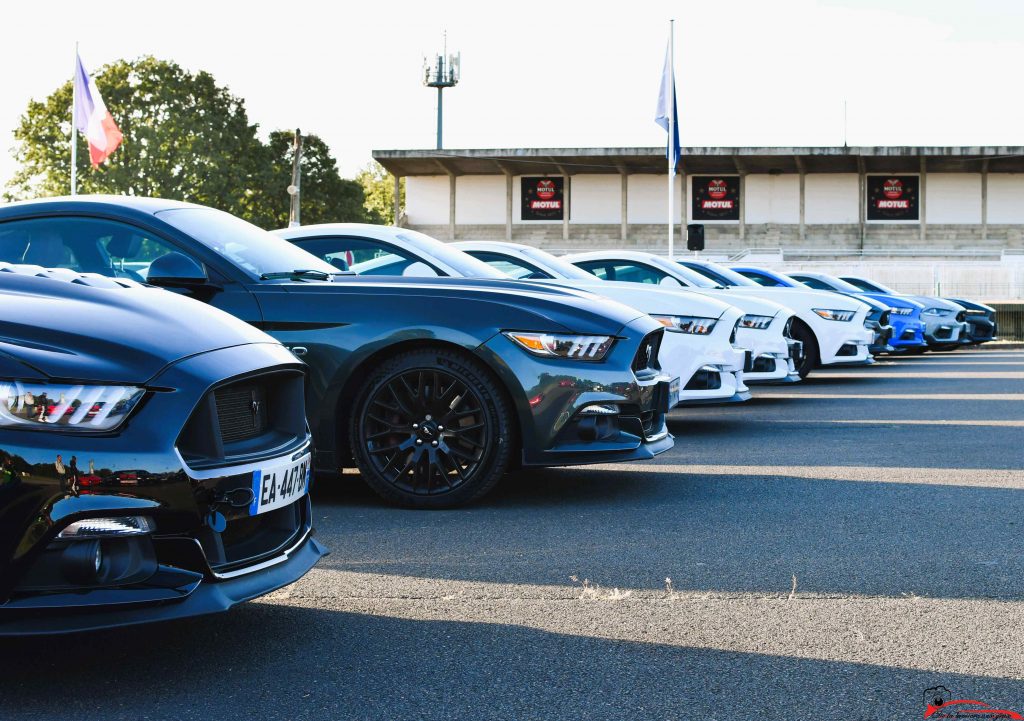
(175, 270)
(669, 282)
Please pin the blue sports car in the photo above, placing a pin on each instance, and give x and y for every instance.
(904, 314)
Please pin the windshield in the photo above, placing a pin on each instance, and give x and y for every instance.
(719, 273)
(247, 247)
(463, 263)
(869, 285)
(694, 278)
(841, 285)
(557, 265)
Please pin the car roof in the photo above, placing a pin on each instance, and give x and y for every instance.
(91, 203)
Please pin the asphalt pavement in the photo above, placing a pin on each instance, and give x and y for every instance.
(828, 550)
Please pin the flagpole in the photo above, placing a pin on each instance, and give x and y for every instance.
(74, 130)
(671, 137)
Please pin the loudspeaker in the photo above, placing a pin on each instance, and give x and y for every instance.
(695, 236)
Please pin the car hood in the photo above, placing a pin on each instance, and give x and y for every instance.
(514, 302)
(61, 324)
(651, 300)
(801, 299)
(933, 302)
(749, 304)
(971, 304)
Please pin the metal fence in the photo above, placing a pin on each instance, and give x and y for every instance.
(1010, 318)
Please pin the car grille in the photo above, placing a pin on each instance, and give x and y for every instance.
(646, 358)
(241, 411)
(246, 420)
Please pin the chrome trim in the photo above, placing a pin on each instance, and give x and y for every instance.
(263, 564)
(219, 472)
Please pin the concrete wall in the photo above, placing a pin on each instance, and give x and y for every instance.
(596, 199)
(479, 199)
(648, 199)
(773, 199)
(426, 199)
(831, 198)
(953, 198)
(1005, 198)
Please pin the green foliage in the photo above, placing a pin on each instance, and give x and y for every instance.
(185, 138)
(379, 190)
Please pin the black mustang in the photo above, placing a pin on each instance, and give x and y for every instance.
(154, 456)
(433, 386)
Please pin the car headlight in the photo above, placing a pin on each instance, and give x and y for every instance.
(938, 312)
(756, 322)
(65, 407)
(691, 324)
(840, 315)
(901, 311)
(553, 345)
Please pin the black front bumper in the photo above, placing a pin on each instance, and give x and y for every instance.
(185, 595)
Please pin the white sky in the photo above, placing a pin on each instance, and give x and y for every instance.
(560, 73)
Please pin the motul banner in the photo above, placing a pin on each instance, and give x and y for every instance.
(542, 199)
(715, 197)
(892, 197)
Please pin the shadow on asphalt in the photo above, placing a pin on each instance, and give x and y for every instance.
(269, 661)
(741, 532)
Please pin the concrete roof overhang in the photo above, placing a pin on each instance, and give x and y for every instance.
(559, 161)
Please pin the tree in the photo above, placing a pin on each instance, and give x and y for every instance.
(326, 196)
(379, 190)
(185, 138)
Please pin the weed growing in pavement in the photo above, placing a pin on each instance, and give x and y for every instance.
(596, 593)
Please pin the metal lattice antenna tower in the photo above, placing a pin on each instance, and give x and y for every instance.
(442, 71)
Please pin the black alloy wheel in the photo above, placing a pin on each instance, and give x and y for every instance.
(809, 361)
(431, 430)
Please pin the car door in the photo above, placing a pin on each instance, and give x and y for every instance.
(117, 249)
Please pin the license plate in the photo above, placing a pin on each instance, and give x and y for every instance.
(673, 393)
(278, 486)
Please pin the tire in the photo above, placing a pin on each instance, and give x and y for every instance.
(431, 429)
(805, 335)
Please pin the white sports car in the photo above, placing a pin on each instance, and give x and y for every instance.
(831, 327)
(698, 350)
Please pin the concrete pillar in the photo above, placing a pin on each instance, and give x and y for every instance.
(508, 206)
(625, 207)
(803, 178)
(862, 199)
(567, 203)
(743, 206)
(451, 206)
(398, 201)
(922, 189)
(984, 200)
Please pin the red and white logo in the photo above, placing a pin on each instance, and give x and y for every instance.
(546, 189)
(717, 189)
(892, 188)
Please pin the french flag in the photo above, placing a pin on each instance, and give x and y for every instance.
(92, 118)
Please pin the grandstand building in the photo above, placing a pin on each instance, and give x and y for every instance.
(941, 201)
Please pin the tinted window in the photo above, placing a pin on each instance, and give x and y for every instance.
(86, 245)
(365, 256)
(812, 282)
(458, 260)
(623, 271)
(867, 285)
(251, 249)
(510, 265)
(761, 278)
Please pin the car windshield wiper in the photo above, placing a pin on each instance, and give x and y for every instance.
(300, 273)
